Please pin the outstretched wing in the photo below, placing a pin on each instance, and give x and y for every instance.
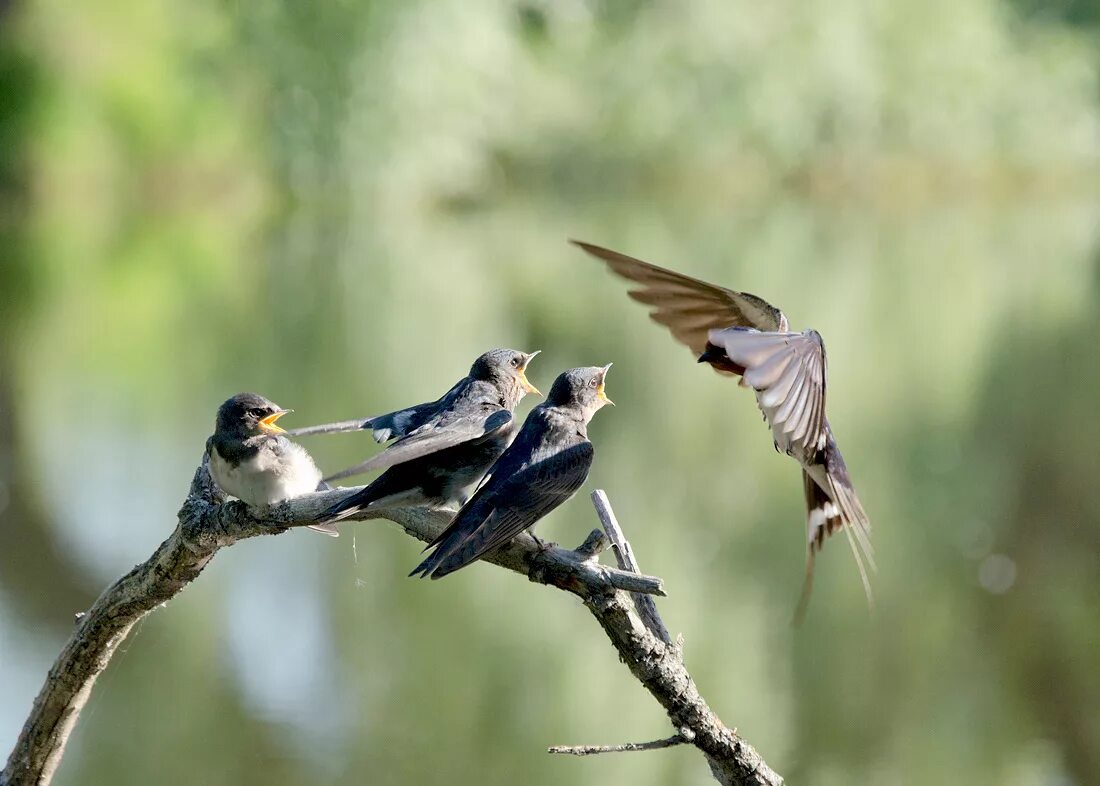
(787, 371)
(509, 508)
(391, 425)
(688, 307)
(446, 430)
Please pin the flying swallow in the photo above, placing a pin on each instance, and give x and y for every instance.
(742, 334)
(543, 468)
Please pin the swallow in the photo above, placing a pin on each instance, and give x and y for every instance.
(252, 460)
(543, 468)
(742, 334)
(442, 449)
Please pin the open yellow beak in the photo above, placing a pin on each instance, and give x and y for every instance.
(268, 423)
(523, 381)
(600, 395)
(527, 386)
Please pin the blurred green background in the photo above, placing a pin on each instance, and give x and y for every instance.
(341, 204)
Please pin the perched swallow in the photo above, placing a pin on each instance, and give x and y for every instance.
(543, 468)
(443, 448)
(251, 460)
(741, 334)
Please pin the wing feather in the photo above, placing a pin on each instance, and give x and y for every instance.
(785, 409)
(513, 505)
(778, 392)
(796, 416)
(833, 505)
(799, 429)
(438, 434)
(688, 307)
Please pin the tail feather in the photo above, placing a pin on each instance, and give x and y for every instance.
(862, 569)
(829, 509)
(348, 506)
(323, 526)
(445, 543)
(450, 542)
(807, 589)
(856, 518)
(332, 516)
(427, 565)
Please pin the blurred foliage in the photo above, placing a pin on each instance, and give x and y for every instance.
(1084, 14)
(23, 550)
(340, 205)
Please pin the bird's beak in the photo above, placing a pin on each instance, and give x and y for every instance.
(268, 423)
(600, 395)
(527, 386)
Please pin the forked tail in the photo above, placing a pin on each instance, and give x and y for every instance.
(825, 514)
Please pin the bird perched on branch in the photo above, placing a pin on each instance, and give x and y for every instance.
(543, 468)
(742, 334)
(252, 460)
(443, 448)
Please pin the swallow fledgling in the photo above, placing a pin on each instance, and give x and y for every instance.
(443, 448)
(543, 468)
(742, 334)
(252, 460)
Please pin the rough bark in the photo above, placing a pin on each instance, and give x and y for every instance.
(207, 523)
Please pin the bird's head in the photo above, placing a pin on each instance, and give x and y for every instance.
(506, 368)
(581, 388)
(249, 415)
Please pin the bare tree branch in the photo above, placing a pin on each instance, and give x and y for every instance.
(624, 555)
(207, 523)
(682, 737)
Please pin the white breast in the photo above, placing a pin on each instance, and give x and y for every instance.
(267, 478)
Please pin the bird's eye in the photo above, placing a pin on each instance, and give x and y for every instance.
(515, 362)
(256, 412)
(594, 383)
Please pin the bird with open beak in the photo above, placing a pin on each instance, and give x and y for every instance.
(251, 458)
(544, 467)
(442, 449)
(742, 334)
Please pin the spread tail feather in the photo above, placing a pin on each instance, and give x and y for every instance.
(857, 529)
(827, 511)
